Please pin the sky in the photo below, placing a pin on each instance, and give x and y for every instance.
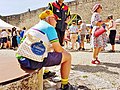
(11, 7)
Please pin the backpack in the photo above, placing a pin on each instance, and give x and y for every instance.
(34, 45)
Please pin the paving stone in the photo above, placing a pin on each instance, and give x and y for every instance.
(105, 76)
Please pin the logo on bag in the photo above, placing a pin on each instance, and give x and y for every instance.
(38, 48)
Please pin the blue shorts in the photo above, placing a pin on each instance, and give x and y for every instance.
(4, 40)
(54, 58)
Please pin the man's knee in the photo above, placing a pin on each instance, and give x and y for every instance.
(66, 56)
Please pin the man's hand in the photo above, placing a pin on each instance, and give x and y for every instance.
(67, 19)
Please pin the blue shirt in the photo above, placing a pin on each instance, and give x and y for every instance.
(48, 29)
(22, 33)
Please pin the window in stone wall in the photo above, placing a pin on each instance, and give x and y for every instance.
(75, 18)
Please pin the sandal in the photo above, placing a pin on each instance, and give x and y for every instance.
(95, 62)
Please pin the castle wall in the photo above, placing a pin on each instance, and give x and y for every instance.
(27, 19)
(84, 9)
(80, 7)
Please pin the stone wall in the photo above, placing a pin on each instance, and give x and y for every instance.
(80, 7)
(84, 9)
(34, 81)
(27, 19)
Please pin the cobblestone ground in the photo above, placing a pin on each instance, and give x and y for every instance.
(105, 76)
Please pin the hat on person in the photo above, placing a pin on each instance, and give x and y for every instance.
(110, 16)
(95, 7)
(45, 14)
(80, 21)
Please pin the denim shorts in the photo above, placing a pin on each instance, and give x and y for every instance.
(4, 40)
(53, 58)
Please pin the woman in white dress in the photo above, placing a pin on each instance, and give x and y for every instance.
(97, 43)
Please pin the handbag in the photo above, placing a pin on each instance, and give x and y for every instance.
(34, 46)
(99, 31)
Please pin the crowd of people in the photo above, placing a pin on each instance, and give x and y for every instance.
(76, 33)
(98, 43)
(10, 38)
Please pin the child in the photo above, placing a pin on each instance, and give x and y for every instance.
(67, 38)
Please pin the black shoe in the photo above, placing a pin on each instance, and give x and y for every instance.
(48, 75)
(83, 49)
(111, 51)
(79, 48)
(68, 87)
(62, 44)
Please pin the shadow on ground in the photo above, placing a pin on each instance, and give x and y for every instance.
(94, 69)
(83, 87)
(91, 51)
(111, 64)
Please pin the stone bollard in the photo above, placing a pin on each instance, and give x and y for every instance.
(31, 81)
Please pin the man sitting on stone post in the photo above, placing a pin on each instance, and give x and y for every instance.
(58, 56)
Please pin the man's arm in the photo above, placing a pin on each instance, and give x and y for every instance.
(50, 6)
(67, 19)
(57, 47)
(68, 16)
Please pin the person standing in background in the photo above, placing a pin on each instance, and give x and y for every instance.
(88, 35)
(112, 35)
(18, 38)
(73, 34)
(9, 39)
(0, 40)
(62, 12)
(83, 31)
(97, 43)
(22, 32)
(4, 36)
(67, 38)
(14, 38)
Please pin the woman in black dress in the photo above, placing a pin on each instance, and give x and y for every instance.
(14, 38)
